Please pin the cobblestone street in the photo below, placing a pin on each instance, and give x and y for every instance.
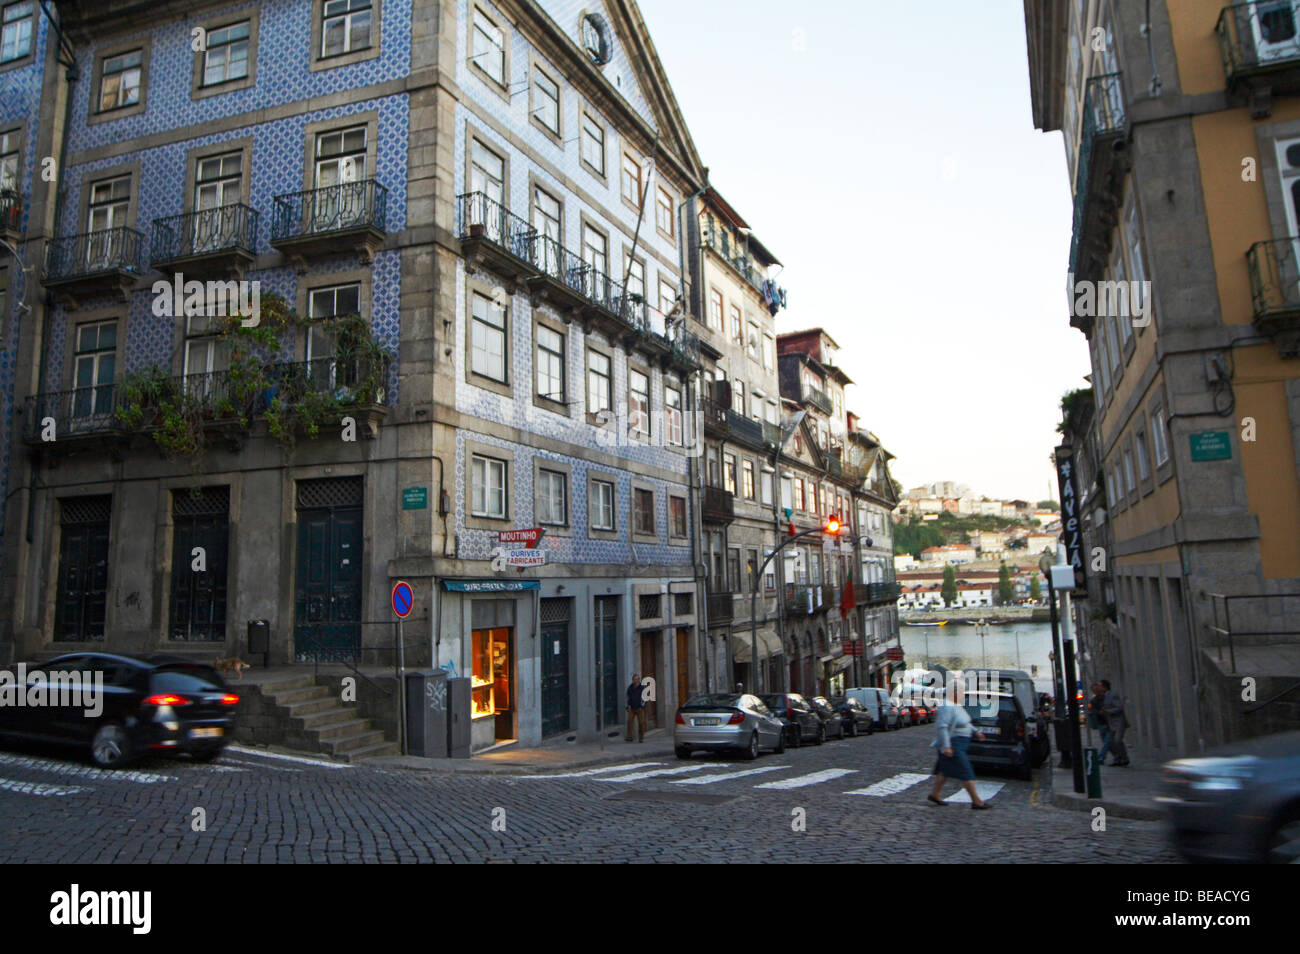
(862, 799)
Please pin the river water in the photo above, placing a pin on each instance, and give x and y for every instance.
(958, 646)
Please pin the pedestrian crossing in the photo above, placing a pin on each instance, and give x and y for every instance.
(715, 773)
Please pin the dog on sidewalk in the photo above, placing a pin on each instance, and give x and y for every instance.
(231, 664)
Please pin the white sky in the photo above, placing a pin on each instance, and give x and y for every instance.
(893, 165)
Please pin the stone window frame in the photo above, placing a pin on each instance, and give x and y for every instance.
(475, 286)
(134, 170)
(474, 521)
(196, 155)
(747, 471)
(1142, 448)
(371, 52)
(1128, 458)
(1162, 471)
(635, 535)
(626, 153)
(473, 132)
(30, 56)
(641, 368)
(608, 353)
(121, 315)
(670, 236)
(537, 65)
(220, 22)
(603, 533)
(679, 388)
(564, 468)
(585, 110)
(683, 538)
(502, 87)
(537, 184)
(586, 222)
(312, 131)
(716, 292)
(364, 277)
(93, 113)
(563, 407)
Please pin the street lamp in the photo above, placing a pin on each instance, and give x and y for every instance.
(832, 527)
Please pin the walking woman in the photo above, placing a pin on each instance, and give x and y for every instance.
(952, 735)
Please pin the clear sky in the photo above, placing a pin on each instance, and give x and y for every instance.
(886, 153)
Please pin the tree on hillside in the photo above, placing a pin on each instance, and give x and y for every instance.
(949, 589)
(1047, 505)
(1035, 589)
(1006, 590)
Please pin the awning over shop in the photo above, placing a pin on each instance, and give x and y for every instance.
(769, 644)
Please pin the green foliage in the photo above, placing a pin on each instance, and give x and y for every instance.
(1047, 505)
(1035, 589)
(1006, 589)
(949, 589)
(1071, 402)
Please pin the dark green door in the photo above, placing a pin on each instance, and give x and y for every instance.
(327, 600)
(555, 677)
(607, 681)
(198, 597)
(83, 570)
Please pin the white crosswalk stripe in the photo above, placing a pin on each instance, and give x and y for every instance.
(890, 786)
(302, 759)
(595, 771)
(801, 781)
(985, 790)
(38, 788)
(654, 773)
(84, 771)
(727, 776)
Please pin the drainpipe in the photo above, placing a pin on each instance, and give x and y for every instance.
(695, 482)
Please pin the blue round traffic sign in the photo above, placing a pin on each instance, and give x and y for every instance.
(402, 599)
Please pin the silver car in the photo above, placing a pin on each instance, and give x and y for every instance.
(727, 721)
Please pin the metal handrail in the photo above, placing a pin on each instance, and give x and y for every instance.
(104, 250)
(1225, 600)
(204, 231)
(335, 208)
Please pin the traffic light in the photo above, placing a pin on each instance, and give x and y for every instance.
(832, 525)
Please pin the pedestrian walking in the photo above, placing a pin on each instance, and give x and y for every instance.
(952, 734)
(1097, 714)
(1112, 705)
(635, 709)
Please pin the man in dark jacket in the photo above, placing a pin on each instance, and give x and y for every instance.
(1112, 705)
(636, 709)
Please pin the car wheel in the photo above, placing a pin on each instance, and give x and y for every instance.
(1284, 841)
(796, 737)
(683, 751)
(111, 746)
(821, 734)
(751, 752)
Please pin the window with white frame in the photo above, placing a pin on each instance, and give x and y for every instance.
(644, 511)
(345, 26)
(667, 296)
(601, 504)
(552, 497)
(1137, 266)
(324, 305)
(93, 370)
(1140, 448)
(488, 338)
(16, 30)
(9, 159)
(599, 382)
(737, 327)
(769, 352)
(1130, 485)
(729, 473)
(715, 309)
(488, 482)
(550, 365)
(1123, 304)
(752, 344)
(664, 212)
(1158, 437)
(546, 101)
(636, 278)
(738, 396)
(595, 251)
(206, 355)
(226, 56)
(638, 401)
(546, 220)
(765, 481)
(489, 49)
(673, 415)
(632, 180)
(593, 143)
(119, 81)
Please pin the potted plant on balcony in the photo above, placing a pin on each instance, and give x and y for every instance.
(143, 397)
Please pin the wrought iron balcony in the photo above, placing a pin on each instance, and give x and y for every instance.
(817, 398)
(1260, 46)
(721, 607)
(802, 599)
(207, 241)
(715, 417)
(349, 217)
(745, 430)
(94, 263)
(1275, 291)
(11, 213)
(719, 241)
(1098, 178)
(719, 505)
(492, 236)
(76, 416)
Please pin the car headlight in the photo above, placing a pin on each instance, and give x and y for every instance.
(1215, 774)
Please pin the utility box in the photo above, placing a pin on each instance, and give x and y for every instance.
(458, 718)
(426, 713)
(259, 638)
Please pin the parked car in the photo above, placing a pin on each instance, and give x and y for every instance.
(1240, 802)
(877, 701)
(999, 716)
(158, 704)
(915, 712)
(857, 718)
(830, 716)
(802, 723)
(1037, 728)
(727, 721)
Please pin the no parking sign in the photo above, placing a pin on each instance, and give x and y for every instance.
(403, 599)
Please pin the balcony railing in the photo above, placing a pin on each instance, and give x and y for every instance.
(228, 228)
(720, 606)
(1104, 125)
(337, 208)
(714, 417)
(744, 429)
(1260, 46)
(1275, 282)
(80, 412)
(744, 266)
(719, 505)
(817, 398)
(107, 250)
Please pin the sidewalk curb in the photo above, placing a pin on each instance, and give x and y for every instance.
(484, 766)
(1139, 809)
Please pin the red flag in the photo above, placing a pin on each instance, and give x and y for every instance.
(846, 598)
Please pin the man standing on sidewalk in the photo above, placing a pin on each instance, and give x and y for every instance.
(1097, 715)
(635, 709)
(1112, 705)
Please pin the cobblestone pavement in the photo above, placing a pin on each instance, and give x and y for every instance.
(859, 800)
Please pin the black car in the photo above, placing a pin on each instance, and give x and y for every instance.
(159, 704)
(829, 715)
(856, 717)
(999, 716)
(802, 723)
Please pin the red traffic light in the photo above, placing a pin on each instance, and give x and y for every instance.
(832, 525)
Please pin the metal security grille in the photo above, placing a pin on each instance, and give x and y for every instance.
(78, 510)
(557, 610)
(682, 603)
(650, 606)
(330, 492)
(207, 502)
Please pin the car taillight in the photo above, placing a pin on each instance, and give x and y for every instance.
(789, 712)
(680, 720)
(229, 699)
(736, 718)
(166, 699)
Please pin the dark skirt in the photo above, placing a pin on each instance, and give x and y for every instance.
(957, 766)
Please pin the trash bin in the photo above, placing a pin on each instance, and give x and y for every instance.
(458, 718)
(1063, 740)
(1092, 772)
(259, 639)
(426, 713)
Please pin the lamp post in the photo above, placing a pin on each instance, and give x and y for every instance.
(831, 527)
